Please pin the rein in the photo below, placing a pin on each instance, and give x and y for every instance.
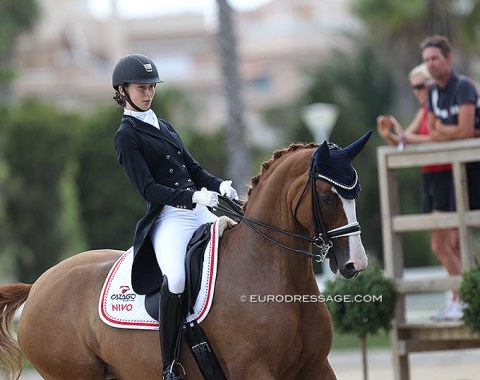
(253, 225)
(322, 238)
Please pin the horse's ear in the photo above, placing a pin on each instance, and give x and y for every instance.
(323, 153)
(354, 148)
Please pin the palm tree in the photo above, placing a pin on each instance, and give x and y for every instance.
(238, 157)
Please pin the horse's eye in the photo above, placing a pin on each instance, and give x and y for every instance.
(328, 201)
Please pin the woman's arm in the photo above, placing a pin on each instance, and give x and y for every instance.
(387, 129)
(392, 132)
(129, 155)
(415, 124)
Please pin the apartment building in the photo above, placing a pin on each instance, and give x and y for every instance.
(69, 56)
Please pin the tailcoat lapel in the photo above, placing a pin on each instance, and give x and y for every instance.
(162, 133)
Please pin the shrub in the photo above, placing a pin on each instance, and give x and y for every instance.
(470, 295)
(362, 306)
(362, 318)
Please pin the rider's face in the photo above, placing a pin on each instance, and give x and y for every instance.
(141, 94)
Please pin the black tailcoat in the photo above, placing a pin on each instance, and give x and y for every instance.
(165, 173)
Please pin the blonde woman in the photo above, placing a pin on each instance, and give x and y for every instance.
(437, 182)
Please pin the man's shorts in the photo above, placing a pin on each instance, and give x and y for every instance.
(438, 192)
(473, 174)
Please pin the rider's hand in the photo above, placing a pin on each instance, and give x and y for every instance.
(227, 190)
(205, 197)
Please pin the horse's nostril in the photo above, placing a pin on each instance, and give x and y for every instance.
(350, 267)
(349, 271)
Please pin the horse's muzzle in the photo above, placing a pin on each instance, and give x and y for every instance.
(349, 271)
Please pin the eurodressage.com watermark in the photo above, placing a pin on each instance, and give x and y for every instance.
(309, 298)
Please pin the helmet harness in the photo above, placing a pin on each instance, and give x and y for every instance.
(134, 68)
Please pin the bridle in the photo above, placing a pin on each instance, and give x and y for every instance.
(322, 239)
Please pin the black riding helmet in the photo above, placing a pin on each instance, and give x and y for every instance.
(134, 68)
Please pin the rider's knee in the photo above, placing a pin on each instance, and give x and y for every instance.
(176, 283)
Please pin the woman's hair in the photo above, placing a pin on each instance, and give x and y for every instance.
(119, 99)
(420, 69)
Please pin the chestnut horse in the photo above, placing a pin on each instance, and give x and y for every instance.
(62, 336)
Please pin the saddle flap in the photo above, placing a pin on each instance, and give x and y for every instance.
(193, 273)
(194, 263)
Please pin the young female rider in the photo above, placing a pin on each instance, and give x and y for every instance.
(177, 190)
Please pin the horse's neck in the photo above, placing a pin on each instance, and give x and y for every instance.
(268, 203)
(251, 253)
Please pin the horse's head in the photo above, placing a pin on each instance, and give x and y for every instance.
(328, 198)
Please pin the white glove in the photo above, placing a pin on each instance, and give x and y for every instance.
(205, 197)
(227, 190)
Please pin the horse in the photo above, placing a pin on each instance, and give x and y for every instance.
(266, 321)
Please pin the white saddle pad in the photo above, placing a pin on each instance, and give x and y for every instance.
(121, 307)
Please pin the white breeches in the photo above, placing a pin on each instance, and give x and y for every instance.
(170, 236)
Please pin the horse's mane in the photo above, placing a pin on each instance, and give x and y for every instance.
(276, 154)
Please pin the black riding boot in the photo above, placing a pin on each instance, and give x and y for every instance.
(171, 332)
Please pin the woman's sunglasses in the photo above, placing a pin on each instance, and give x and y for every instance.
(419, 86)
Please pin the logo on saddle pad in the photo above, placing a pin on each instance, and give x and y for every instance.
(124, 288)
(120, 307)
(123, 296)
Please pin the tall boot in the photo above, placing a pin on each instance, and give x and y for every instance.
(171, 321)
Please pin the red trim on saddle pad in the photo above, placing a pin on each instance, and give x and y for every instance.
(121, 307)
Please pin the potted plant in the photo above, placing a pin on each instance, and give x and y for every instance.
(469, 294)
(361, 306)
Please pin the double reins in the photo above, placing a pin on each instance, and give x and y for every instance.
(234, 210)
(323, 237)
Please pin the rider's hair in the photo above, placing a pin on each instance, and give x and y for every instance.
(119, 99)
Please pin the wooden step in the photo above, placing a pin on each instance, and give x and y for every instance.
(435, 336)
(424, 285)
(438, 220)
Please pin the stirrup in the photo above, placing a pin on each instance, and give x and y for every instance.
(170, 374)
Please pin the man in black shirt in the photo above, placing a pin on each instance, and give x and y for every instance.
(453, 113)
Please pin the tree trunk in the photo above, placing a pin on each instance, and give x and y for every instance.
(363, 344)
(238, 157)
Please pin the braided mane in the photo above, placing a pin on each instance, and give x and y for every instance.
(266, 165)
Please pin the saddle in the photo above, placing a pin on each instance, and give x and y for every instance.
(194, 334)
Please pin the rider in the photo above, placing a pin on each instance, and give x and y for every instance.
(177, 190)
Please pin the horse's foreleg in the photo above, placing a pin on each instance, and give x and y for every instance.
(264, 375)
(258, 369)
(325, 372)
